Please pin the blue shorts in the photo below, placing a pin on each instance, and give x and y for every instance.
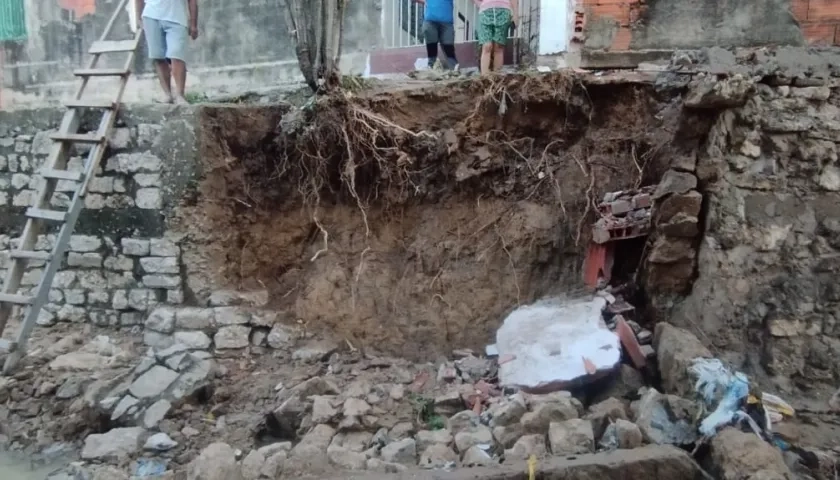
(165, 39)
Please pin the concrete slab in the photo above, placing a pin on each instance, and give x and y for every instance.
(555, 344)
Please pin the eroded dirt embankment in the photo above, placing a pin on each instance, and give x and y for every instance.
(412, 221)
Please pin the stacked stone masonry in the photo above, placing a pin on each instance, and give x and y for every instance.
(119, 263)
(767, 256)
(110, 283)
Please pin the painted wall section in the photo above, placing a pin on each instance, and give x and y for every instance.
(621, 25)
(555, 21)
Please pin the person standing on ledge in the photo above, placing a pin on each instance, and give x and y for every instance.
(167, 23)
(439, 27)
(495, 17)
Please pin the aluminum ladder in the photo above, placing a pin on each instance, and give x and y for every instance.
(54, 170)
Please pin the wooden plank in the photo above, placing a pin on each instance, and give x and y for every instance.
(103, 104)
(30, 255)
(101, 72)
(111, 46)
(15, 299)
(61, 174)
(45, 214)
(57, 160)
(78, 137)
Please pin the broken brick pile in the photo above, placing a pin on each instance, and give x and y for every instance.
(623, 215)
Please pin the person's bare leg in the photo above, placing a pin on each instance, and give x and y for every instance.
(179, 73)
(486, 57)
(164, 76)
(498, 57)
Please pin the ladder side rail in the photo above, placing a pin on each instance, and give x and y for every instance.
(57, 159)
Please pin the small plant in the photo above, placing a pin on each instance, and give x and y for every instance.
(424, 412)
(192, 98)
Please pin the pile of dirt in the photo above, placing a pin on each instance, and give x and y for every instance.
(412, 220)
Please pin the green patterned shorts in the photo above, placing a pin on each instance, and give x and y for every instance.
(494, 25)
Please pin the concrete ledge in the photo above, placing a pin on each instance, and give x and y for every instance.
(652, 462)
(626, 59)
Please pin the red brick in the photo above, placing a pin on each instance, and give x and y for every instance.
(823, 10)
(799, 10)
(617, 12)
(622, 39)
(819, 33)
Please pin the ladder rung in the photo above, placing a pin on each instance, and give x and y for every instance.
(78, 137)
(112, 46)
(44, 214)
(101, 72)
(30, 255)
(61, 174)
(16, 299)
(7, 346)
(108, 105)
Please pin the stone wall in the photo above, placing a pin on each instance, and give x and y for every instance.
(120, 263)
(768, 254)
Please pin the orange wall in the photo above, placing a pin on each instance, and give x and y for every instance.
(819, 20)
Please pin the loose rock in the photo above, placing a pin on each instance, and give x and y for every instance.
(216, 462)
(478, 457)
(437, 456)
(571, 437)
(527, 446)
(403, 452)
(113, 445)
(737, 455)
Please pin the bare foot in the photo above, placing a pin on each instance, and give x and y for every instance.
(179, 100)
(165, 98)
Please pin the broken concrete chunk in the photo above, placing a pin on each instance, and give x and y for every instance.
(438, 456)
(153, 383)
(622, 434)
(346, 459)
(479, 435)
(675, 182)
(571, 437)
(314, 352)
(216, 462)
(544, 414)
(462, 421)
(160, 442)
(478, 457)
(508, 411)
(666, 419)
(403, 452)
(114, 445)
(556, 343)
(707, 92)
(527, 446)
(322, 409)
(676, 350)
(426, 438)
(509, 435)
(604, 413)
(737, 455)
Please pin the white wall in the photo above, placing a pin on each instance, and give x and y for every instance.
(556, 26)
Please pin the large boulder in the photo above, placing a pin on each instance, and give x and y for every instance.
(216, 462)
(676, 350)
(666, 419)
(114, 445)
(736, 455)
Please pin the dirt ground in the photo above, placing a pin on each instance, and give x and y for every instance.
(444, 215)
